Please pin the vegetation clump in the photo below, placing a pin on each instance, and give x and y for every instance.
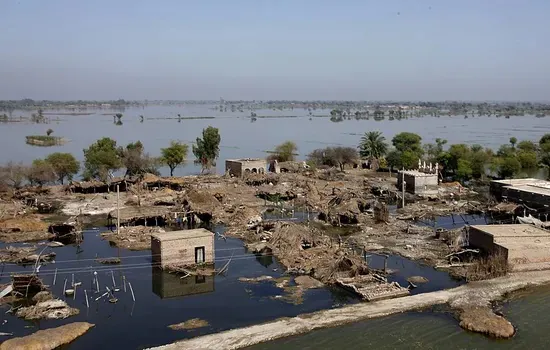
(207, 148)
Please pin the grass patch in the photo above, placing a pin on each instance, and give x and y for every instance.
(44, 140)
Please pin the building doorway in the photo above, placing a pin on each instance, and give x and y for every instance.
(199, 255)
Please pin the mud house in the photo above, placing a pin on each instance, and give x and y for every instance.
(531, 192)
(240, 167)
(182, 248)
(519, 244)
(417, 182)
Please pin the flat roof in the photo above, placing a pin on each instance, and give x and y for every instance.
(183, 234)
(512, 182)
(416, 173)
(242, 160)
(512, 230)
(538, 188)
(525, 243)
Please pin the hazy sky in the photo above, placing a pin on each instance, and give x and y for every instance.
(278, 49)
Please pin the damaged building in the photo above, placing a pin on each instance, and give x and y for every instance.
(241, 167)
(518, 244)
(418, 182)
(532, 192)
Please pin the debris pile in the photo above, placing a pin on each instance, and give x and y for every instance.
(54, 309)
(23, 255)
(132, 237)
(193, 323)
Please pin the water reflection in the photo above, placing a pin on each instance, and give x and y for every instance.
(168, 285)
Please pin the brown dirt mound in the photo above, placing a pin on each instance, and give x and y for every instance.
(48, 338)
(484, 320)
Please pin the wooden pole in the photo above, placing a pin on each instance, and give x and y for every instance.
(132, 290)
(54, 277)
(86, 294)
(403, 188)
(117, 209)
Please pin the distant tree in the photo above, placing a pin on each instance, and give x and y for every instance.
(527, 146)
(49, 132)
(464, 170)
(506, 151)
(373, 145)
(407, 141)
(174, 155)
(101, 158)
(513, 141)
(394, 159)
(136, 161)
(507, 166)
(333, 157)
(64, 165)
(41, 173)
(13, 174)
(207, 148)
(284, 152)
(456, 153)
(527, 159)
(544, 154)
(479, 159)
(343, 156)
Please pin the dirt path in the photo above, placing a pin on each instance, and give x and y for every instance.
(475, 293)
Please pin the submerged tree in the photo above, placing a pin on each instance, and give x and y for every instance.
(207, 148)
(101, 158)
(174, 155)
(373, 145)
(49, 132)
(64, 165)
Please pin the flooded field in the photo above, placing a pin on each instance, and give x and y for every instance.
(243, 138)
(163, 299)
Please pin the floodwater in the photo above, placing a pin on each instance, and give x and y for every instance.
(435, 329)
(163, 299)
(243, 138)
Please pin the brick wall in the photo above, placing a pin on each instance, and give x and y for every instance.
(182, 251)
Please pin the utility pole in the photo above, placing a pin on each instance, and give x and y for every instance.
(403, 188)
(117, 209)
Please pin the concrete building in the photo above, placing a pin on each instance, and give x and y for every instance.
(182, 248)
(532, 192)
(240, 167)
(417, 182)
(520, 244)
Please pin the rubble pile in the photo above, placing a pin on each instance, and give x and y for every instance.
(132, 237)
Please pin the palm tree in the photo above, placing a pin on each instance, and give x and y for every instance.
(373, 145)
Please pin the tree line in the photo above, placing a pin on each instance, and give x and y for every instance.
(104, 157)
(459, 161)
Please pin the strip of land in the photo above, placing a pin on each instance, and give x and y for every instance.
(473, 294)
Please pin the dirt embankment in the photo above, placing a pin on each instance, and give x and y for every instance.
(482, 291)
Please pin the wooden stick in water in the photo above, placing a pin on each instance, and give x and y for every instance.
(54, 277)
(64, 286)
(113, 278)
(124, 282)
(132, 290)
(86, 294)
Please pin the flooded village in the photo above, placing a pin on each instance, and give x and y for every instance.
(248, 249)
